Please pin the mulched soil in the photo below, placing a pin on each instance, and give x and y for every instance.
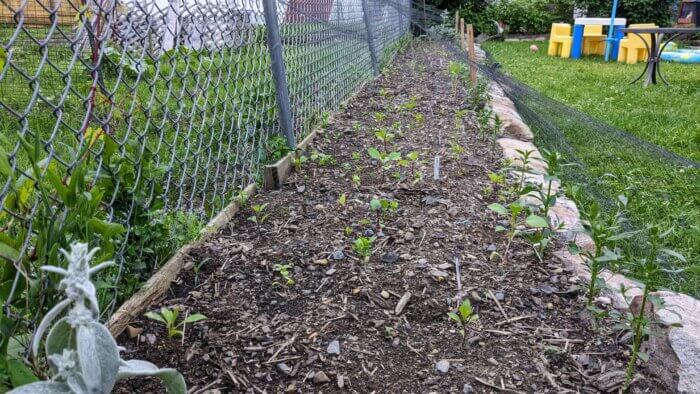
(265, 336)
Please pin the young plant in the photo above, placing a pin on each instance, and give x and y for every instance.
(513, 212)
(605, 231)
(342, 200)
(384, 137)
(356, 181)
(383, 208)
(169, 317)
(283, 270)
(298, 162)
(323, 159)
(463, 317)
(384, 159)
(524, 166)
(648, 269)
(258, 216)
(83, 355)
(363, 247)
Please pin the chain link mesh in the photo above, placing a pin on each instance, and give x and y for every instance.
(127, 124)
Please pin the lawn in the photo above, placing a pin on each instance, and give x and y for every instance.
(666, 116)
(663, 192)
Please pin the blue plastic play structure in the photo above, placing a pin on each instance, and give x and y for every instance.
(681, 55)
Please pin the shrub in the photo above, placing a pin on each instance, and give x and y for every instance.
(636, 11)
(519, 16)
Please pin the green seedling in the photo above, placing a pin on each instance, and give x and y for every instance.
(513, 213)
(383, 208)
(169, 316)
(342, 200)
(605, 231)
(419, 118)
(323, 159)
(384, 93)
(363, 247)
(464, 317)
(379, 116)
(241, 198)
(283, 270)
(498, 179)
(456, 149)
(298, 162)
(347, 231)
(384, 137)
(384, 159)
(497, 127)
(409, 105)
(525, 158)
(258, 216)
(356, 180)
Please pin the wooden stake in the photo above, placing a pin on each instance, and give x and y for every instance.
(472, 54)
(462, 38)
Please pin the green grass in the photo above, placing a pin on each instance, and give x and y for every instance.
(666, 116)
(663, 192)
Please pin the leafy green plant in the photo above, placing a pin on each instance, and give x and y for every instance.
(283, 270)
(299, 161)
(379, 116)
(169, 317)
(605, 231)
(83, 356)
(513, 212)
(363, 247)
(383, 208)
(384, 159)
(259, 217)
(384, 137)
(524, 158)
(464, 316)
(276, 147)
(649, 269)
(342, 200)
(323, 159)
(356, 180)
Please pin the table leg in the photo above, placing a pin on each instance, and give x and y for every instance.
(577, 42)
(652, 54)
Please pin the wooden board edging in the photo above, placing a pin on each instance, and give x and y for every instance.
(275, 174)
(160, 282)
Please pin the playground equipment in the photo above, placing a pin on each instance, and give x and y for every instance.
(634, 47)
(595, 25)
(593, 40)
(682, 56)
(560, 40)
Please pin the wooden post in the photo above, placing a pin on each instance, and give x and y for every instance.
(462, 40)
(457, 21)
(472, 53)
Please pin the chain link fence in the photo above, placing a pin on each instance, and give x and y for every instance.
(127, 124)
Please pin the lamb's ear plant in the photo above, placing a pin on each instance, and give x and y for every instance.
(81, 352)
(463, 317)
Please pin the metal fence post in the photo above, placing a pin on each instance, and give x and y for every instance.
(370, 37)
(274, 43)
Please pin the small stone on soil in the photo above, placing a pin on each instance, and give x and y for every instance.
(320, 378)
(338, 255)
(333, 347)
(385, 294)
(442, 366)
(390, 258)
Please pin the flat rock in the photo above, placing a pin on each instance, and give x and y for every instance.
(333, 347)
(442, 366)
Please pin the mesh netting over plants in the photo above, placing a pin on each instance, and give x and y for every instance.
(128, 124)
(663, 188)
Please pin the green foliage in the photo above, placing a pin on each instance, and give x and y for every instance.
(259, 216)
(323, 159)
(636, 11)
(463, 317)
(83, 356)
(519, 16)
(299, 161)
(169, 317)
(283, 270)
(514, 212)
(384, 159)
(276, 148)
(363, 247)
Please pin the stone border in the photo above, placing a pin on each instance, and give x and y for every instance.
(675, 356)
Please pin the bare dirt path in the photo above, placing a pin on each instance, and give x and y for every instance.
(340, 326)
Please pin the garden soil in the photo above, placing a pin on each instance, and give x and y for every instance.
(382, 325)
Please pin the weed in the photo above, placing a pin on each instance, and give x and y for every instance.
(276, 147)
(347, 231)
(383, 208)
(298, 162)
(357, 156)
(379, 116)
(323, 159)
(356, 181)
(342, 200)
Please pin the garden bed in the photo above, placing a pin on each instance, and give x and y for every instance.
(382, 324)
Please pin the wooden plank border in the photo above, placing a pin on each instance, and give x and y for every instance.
(159, 283)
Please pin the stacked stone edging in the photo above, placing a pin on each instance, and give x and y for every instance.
(675, 358)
